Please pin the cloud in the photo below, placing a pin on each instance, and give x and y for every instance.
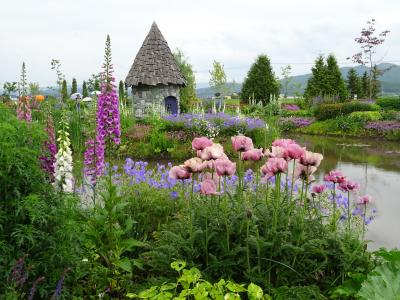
(233, 32)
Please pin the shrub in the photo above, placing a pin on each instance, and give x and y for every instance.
(365, 116)
(390, 115)
(330, 111)
(389, 102)
(297, 113)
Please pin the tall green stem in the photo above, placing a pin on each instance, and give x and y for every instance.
(292, 183)
(348, 212)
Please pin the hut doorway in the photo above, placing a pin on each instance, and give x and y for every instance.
(171, 105)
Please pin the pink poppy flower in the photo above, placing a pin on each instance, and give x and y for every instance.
(224, 167)
(214, 151)
(201, 143)
(294, 151)
(274, 166)
(194, 165)
(208, 187)
(319, 188)
(364, 200)
(283, 143)
(304, 172)
(335, 176)
(349, 186)
(311, 159)
(242, 143)
(253, 154)
(276, 151)
(179, 172)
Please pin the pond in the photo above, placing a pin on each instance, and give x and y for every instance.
(375, 164)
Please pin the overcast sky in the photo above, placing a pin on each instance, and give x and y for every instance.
(232, 32)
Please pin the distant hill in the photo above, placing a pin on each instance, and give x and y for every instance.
(390, 81)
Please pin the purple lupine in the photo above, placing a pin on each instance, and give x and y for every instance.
(32, 291)
(59, 286)
(49, 150)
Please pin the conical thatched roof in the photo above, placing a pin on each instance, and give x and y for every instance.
(154, 64)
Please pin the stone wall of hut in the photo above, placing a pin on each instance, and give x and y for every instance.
(145, 96)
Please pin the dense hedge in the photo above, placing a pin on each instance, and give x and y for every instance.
(330, 111)
(389, 103)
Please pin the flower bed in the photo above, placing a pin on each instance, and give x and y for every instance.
(383, 126)
(221, 120)
(288, 123)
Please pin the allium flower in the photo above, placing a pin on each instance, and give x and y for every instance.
(179, 172)
(242, 143)
(224, 167)
(319, 188)
(283, 143)
(201, 143)
(253, 154)
(274, 166)
(23, 109)
(364, 200)
(49, 150)
(335, 176)
(208, 187)
(349, 186)
(63, 165)
(311, 159)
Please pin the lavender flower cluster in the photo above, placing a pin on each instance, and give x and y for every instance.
(296, 121)
(218, 119)
(291, 107)
(383, 126)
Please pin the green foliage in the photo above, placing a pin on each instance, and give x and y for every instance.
(191, 285)
(329, 111)
(187, 93)
(391, 115)
(85, 92)
(384, 281)
(326, 80)
(74, 86)
(260, 83)
(353, 84)
(64, 91)
(218, 78)
(297, 113)
(365, 116)
(389, 103)
(364, 85)
(33, 220)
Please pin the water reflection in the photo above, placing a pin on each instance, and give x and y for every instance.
(375, 165)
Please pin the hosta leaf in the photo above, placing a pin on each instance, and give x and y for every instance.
(254, 292)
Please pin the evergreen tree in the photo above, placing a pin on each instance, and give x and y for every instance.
(64, 91)
(335, 84)
(260, 81)
(218, 78)
(97, 85)
(188, 92)
(121, 92)
(316, 84)
(353, 83)
(85, 92)
(364, 85)
(74, 87)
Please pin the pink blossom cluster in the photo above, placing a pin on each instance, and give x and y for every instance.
(23, 109)
(94, 159)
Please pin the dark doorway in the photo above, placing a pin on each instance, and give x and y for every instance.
(171, 105)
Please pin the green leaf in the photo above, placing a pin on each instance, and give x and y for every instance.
(382, 283)
(168, 286)
(234, 287)
(178, 265)
(131, 295)
(124, 264)
(254, 291)
(232, 296)
(131, 243)
(151, 292)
